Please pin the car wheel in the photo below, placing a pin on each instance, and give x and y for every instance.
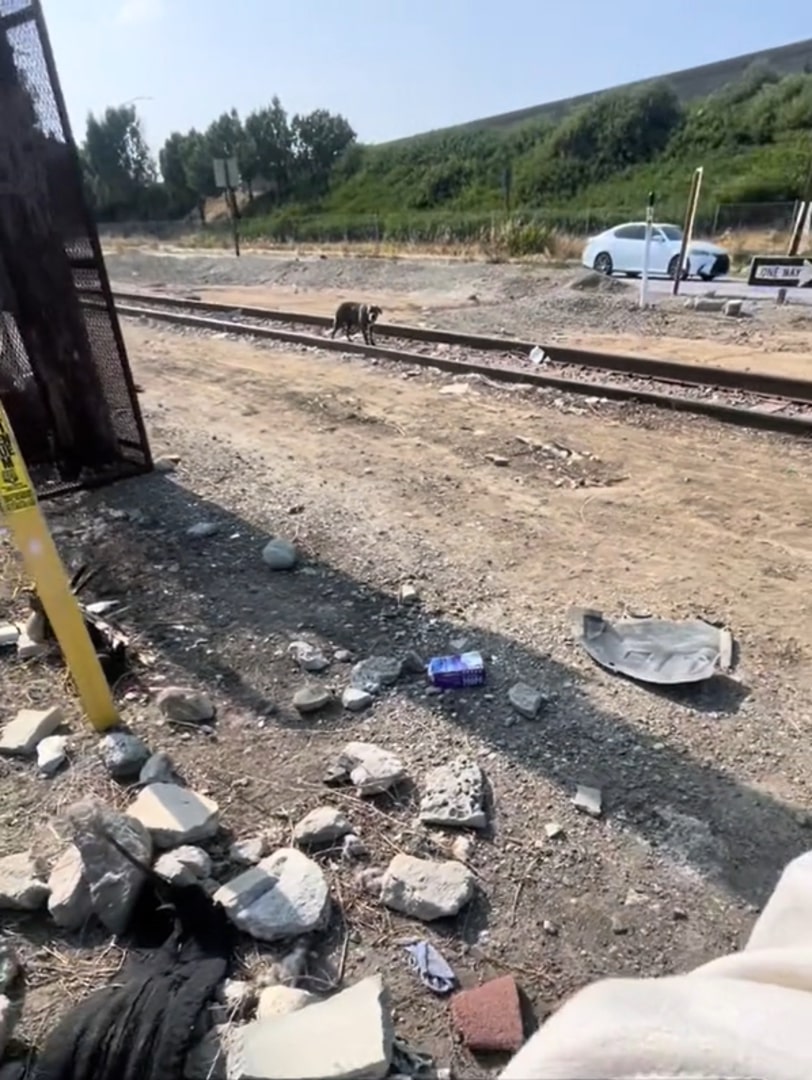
(707, 276)
(672, 268)
(603, 263)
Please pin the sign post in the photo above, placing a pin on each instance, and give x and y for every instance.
(687, 232)
(227, 178)
(647, 251)
(25, 521)
(781, 271)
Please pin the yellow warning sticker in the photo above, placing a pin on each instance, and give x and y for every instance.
(16, 492)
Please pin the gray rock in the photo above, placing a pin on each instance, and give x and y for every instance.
(280, 554)
(248, 852)
(370, 880)
(353, 848)
(284, 896)
(184, 865)
(413, 663)
(28, 728)
(347, 1037)
(342, 656)
(308, 657)
(123, 754)
(311, 698)
(424, 889)
(371, 768)
(22, 884)
(113, 881)
(9, 635)
(10, 968)
(454, 795)
(588, 799)
(69, 901)
(321, 826)
(174, 815)
(9, 1012)
(708, 303)
(52, 754)
(36, 628)
(355, 700)
(201, 529)
(375, 672)
(158, 769)
(185, 706)
(408, 594)
(282, 1000)
(526, 700)
(553, 830)
(733, 308)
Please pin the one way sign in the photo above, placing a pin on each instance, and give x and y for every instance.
(784, 271)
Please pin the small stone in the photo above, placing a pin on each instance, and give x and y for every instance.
(347, 1037)
(635, 898)
(408, 594)
(69, 900)
(279, 554)
(175, 815)
(10, 968)
(281, 1000)
(52, 753)
(462, 848)
(488, 1018)
(202, 529)
(588, 799)
(29, 727)
(424, 889)
(185, 865)
(248, 852)
(370, 880)
(526, 700)
(497, 459)
(308, 657)
(709, 303)
(27, 649)
(454, 795)
(733, 308)
(549, 928)
(553, 830)
(9, 635)
(158, 769)
(353, 848)
(355, 700)
(166, 464)
(372, 769)
(375, 672)
(36, 628)
(679, 914)
(311, 698)
(619, 924)
(285, 895)
(113, 881)
(9, 1013)
(185, 706)
(342, 656)
(123, 754)
(413, 663)
(22, 887)
(321, 826)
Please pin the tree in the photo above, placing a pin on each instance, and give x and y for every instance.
(270, 140)
(117, 161)
(198, 168)
(319, 140)
(180, 195)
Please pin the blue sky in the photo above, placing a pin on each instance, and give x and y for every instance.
(392, 67)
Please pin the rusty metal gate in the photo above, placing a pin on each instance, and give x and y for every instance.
(64, 375)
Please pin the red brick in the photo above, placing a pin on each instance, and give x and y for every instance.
(489, 1017)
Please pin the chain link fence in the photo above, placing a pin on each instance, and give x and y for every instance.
(64, 376)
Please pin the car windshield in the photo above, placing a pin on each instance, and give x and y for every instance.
(671, 232)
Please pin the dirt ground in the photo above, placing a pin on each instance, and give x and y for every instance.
(382, 476)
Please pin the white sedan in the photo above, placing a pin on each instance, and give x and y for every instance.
(620, 251)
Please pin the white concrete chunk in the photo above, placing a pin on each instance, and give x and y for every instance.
(29, 727)
(52, 754)
(371, 768)
(284, 896)
(321, 826)
(22, 887)
(282, 1000)
(184, 865)
(425, 889)
(347, 1037)
(454, 794)
(175, 815)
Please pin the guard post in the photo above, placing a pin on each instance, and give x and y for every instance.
(26, 523)
(647, 251)
(687, 232)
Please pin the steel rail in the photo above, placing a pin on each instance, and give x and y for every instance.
(761, 383)
(743, 417)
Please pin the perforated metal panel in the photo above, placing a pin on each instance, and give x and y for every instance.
(64, 375)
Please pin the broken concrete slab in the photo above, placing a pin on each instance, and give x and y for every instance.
(123, 754)
(113, 881)
(52, 753)
(526, 700)
(184, 865)
(375, 672)
(371, 768)
(285, 895)
(28, 728)
(22, 883)
(321, 826)
(347, 1037)
(282, 1000)
(184, 705)
(426, 889)
(454, 794)
(175, 815)
(69, 900)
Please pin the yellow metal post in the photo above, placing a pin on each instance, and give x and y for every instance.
(19, 507)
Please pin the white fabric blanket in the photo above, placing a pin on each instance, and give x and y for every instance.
(744, 1016)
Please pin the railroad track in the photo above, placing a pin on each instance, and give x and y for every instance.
(749, 399)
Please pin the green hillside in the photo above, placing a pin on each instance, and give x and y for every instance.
(598, 163)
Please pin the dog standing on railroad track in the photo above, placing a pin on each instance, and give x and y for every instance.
(351, 316)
